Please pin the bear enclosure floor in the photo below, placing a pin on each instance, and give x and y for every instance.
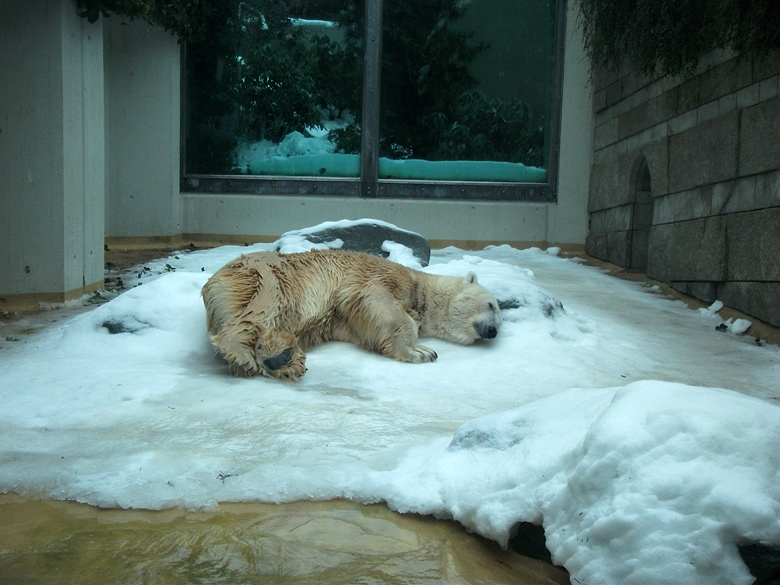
(330, 542)
(48, 541)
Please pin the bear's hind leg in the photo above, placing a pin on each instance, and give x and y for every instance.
(278, 355)
(250, 349)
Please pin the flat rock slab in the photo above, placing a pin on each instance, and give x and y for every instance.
(362, 236)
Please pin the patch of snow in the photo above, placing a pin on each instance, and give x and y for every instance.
(401, 254)
(740, 326)
(315, 155)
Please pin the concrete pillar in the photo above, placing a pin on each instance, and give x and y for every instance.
(567, 221)
(52, 163)
(143, 78)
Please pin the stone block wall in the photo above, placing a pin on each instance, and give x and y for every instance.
(709, 146)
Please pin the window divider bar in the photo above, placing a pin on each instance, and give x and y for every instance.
(559, 53)
(372, 80)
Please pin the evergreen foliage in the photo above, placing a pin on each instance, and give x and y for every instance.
(274, 73)
(670, 36)
(482, 128)
(425, 67)
(254, 76)
(431, 107)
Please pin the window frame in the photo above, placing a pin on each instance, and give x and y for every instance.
(369, 185)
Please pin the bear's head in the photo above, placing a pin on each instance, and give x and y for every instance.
(473, 312)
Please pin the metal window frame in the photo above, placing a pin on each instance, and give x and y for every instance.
(369, 185)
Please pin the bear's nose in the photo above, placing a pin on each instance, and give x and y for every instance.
(486, 331)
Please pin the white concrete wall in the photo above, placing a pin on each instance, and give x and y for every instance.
(84, 161)
(51, 150)
(143, 102)
(270, 216)
(567, 222)
(31, 164)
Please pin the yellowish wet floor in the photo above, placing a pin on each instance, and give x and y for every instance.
(304, 542)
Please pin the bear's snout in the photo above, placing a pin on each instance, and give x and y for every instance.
(486, 331)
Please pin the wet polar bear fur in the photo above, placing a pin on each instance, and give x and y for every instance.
(264, 310)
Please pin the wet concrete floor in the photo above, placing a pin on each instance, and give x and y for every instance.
(51, 542)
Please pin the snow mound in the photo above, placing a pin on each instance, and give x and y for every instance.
(521, 299)
(655, 482)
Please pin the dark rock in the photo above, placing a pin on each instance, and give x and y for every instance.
(365, 236)
(763, 562)
(124, 325)
(549, 306)
(528, 540)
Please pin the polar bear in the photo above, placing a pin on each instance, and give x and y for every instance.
(265, 309)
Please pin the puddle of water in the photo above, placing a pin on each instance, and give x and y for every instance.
(304, 542)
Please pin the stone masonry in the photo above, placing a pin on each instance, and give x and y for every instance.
(708, 147)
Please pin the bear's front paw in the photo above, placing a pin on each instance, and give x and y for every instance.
(241, 371)
(422, 354)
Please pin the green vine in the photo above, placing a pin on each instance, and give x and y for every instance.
(669, 37)
(187, 19)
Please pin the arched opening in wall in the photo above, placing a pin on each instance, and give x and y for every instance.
(641, 216)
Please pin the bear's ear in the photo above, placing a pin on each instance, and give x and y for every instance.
(471, 278)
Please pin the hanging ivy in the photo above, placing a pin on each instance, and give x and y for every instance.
(187, 19)
(670, 36)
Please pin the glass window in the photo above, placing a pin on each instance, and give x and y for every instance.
(466, 89)
(275, 90)
(413, 98)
